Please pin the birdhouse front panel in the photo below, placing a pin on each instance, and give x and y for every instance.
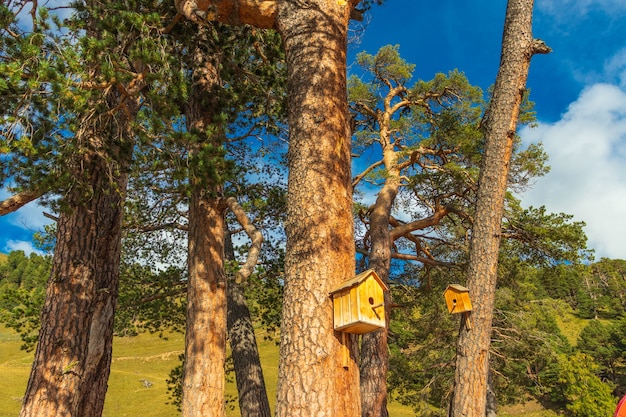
(359, 304)
(457, 299)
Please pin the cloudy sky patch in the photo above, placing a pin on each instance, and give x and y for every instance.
(587, 150)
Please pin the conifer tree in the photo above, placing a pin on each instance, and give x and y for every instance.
(499, 124)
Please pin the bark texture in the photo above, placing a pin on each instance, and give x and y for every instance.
(258, 13)
(472, 362)
(320, 248)
(253, 401)
(205, 335)
(71, 367)
(374, 349)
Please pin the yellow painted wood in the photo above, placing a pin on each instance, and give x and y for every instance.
(359, 304)
(457, 299)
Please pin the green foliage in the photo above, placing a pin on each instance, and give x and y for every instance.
(264, 293)
(606, 344)
(575, 383)
(422, 341)
(541, 238)
(175, 383)
(150, 300)
(22, 291)
(430, 137)
(386, 64)
(432, 129)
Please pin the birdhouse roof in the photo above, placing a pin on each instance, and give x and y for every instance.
(457, 288)
(359, 279)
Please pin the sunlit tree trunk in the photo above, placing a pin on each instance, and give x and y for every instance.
(320, 248)
(71, 367)
(472, 362)
(205, 335)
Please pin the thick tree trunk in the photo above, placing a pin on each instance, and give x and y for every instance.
(374, 349)
(320, 247)
(205, 335)
(71, 368)
(472, 362)
(253, 401)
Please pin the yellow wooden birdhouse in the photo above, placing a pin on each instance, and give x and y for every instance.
(359, 304)
(457, 298)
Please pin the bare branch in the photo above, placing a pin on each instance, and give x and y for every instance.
(19, 200)
(51, 216)
(367, 170)
(432, 220)
(255, 236)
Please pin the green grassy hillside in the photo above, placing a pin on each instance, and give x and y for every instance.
(3, 258)
(140, 368)
(137, 362)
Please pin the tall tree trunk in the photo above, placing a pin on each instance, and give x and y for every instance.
(320, 248)
(320, 251)
(253, 401)
(71, 367)
(374, 349)
(472, 362)
(205, 335)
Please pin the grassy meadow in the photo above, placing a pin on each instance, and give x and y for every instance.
(150, 358)
(136, 360)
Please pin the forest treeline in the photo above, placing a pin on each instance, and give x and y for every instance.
(558, 336)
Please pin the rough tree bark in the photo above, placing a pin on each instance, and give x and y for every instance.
(374, 350)
(71, 367)
(253, 401)
(472, 362)
(70, 372)
(320, 249)
(205, 335)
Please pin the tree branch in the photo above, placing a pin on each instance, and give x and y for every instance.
(255, 236)
(19, 200)
(367, 170)
(258, 13)
(434, 219)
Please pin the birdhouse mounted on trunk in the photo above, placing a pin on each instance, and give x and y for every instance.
(458, 299)
(359, 304)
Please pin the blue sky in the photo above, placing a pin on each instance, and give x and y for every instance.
(579, 90)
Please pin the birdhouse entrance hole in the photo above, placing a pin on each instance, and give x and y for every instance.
(359, 304)
(458, 302)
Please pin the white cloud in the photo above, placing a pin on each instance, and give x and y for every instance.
(615, 68)
(587, 150)
(27, 247)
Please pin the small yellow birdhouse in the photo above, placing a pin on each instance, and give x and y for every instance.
(457, 298)
(359, 304)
